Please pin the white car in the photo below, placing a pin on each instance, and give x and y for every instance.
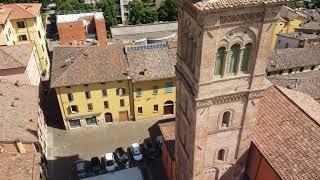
(110, 163)
(136, 151)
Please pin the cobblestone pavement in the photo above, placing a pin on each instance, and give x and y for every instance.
(67, 146)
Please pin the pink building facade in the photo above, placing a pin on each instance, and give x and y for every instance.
(19, 64)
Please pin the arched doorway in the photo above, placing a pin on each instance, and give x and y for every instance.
(168, 107)
(108, 117)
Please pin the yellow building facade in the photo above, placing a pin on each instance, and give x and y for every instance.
(99, 85)
(94, 104)
(154, 98)
(103, 103)
(287, 22)
(22, 24)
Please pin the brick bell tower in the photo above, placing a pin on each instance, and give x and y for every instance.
(223, 49)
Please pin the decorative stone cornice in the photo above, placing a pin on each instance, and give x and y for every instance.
(220, 100)
(255, 95)
(228, 99)
(251, 17)
(212, 132)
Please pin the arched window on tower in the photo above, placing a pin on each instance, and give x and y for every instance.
(226, 118)
(246, 57)
(233, 58)
(220, 57)
(221, 155)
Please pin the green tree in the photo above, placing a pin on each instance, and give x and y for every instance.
(141, 13)
(316, 3)
(136, 11)
(149, 15)
(72, 5)
(108, 7)
(44, 2)
(168, 10)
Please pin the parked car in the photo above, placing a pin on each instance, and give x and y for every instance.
(96, 165)
(150, 150)
(136, 151)
(110, 163)
(80, 169)
(122, 157)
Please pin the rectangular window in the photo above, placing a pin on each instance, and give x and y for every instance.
(70, 97)
(39, 34)
(281, 72)
(7, 37)
(68, 87)
(85, 85)
(313, 67)
(9, 32)
(139, 92)
(120, 91)
(301, 69)
(21, 24)
(74, 123)
(155, 90)
(92, 121)
(106, 104)
(290, 71)
(42, 48)
(88, 95)
(169, 87)
(90, 108)
(104, 92)
(155, 108)
(74, 109)
(121, 102)
(140, 110)
(23, 37)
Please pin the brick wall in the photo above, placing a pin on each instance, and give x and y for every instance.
(257, 166)
(168, 163)
(70, 32)
(101, 31)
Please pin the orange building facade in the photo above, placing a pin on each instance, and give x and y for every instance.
(82, 29)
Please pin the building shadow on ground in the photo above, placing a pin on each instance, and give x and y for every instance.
(50, 107)
(63, 168)
(156, 165)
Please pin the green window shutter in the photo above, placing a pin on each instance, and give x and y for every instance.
(219, 61)
(232, 62)
(245, 58)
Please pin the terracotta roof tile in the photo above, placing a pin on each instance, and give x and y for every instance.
(222, 4)
(155, 63)
(85, 65)
(23, 10)
(168, 133)
(305, 82)
(16, 166)
(4, 15)
(15, 56)
(19, 112)
(287, 136)
(289, 58)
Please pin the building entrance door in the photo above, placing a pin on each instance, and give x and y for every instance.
(123, 116)
(168, 107)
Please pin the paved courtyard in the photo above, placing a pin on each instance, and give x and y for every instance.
(83, 143)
